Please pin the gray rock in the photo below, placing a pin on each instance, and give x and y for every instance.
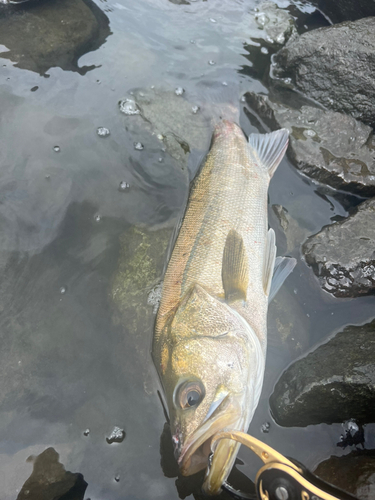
(345, 10)
(354, 473)
(277, 23)
(330, 147)
(49, 480)
(54, 33)
(335, 66)
(333, 383)
(342, 254)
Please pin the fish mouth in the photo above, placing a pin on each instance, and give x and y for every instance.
(196, 451)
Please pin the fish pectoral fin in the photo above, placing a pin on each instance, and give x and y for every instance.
(270, 148)
(269, 261)
(283, 267)
(235, 268)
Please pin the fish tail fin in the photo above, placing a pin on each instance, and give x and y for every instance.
(220, 101)
(269, 148)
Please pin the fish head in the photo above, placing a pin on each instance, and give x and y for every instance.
(212, 374)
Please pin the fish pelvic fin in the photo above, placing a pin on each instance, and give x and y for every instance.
(283, 267)
(269, 149)
(269, 261)
(235, 269)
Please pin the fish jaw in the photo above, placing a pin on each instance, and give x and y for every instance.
(195, 453)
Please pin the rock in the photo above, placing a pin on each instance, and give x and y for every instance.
(170, 117)
(342, 254)
(335, 66)
(49, 480)
(277, 23)
(330, 147)
(345, 10)
(141, 261)
(354, 473)
(54, 33)
(333, 383)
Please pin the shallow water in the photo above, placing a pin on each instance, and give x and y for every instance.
(75, 325)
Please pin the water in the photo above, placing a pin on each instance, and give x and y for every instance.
(76, 324)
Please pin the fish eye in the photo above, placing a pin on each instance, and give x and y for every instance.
(190, 394)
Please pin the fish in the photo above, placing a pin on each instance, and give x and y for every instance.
(210, 334)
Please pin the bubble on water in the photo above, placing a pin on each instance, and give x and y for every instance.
(264, 50)
(98, 218)
(265, 428)
(154, 297)
(262, 19)
(56, 149)
(310, 133)
(98, 82)
(116, 436)
(192, 41)
(138, 146)
(225, 84)
(86, 432)
(213, 20)
(160, 160)
(63, 290)
(243, 99)
(160, 137)
(117, 478)
(129, 107)
(179, 91)
(164, 149)
(152, 87)
(123, 186)
(287, 80)
(211, 62)
(295, 291)
(280, 38)
(47, 177)
(103, 132)
(195, 109)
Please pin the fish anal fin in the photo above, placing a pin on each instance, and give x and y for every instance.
(270, 148)
(269, 261)
(235, 268)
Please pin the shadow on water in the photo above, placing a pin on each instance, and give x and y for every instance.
(43, 34)
(49, 479)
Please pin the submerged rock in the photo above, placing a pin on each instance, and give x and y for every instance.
(54, 33)
(330, 147)
(171, 119)
(277, 23)
(335, 66)
(333, 383)
(141, 262)
(345, 10)
(49, 480)
(342, 254)
(294, 234)
(354, 473)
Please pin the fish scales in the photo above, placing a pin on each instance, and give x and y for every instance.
(230, 192)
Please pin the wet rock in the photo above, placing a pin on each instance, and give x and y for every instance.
(50, 481)
(277, 23)
(171, 119)
(345, 10)
(342, 254)
(354, 473)
(54, 33)
(333, 383)
(330, 147)
(335, 66)
(141, 262)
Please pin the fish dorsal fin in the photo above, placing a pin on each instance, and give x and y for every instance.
(235, 268)
(270, 148)
(269, 261)
(283, 267)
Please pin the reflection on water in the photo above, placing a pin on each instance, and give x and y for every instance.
(86, 218)
(49, 479)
